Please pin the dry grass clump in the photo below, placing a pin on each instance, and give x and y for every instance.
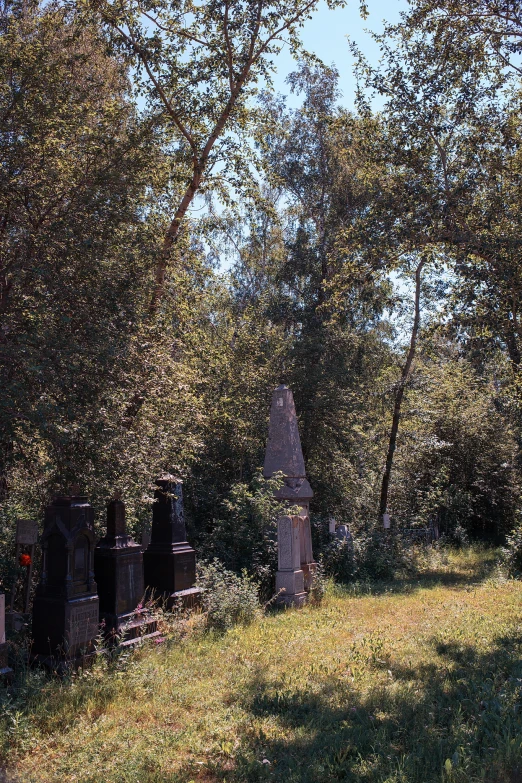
(411, 682)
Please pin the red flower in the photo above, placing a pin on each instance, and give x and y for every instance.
(25, 560)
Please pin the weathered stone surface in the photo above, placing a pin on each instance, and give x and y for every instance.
(292, 582)
(169, 560)
(289, 577)
(26, 532)
(284, 454)
(343, 533)
(66, 605)
(118, 569)
(288, 543)
(283, 451)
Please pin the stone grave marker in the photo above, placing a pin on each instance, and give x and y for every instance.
(343, 533)
(169, 561)
(284, 454)
(118, 570)
(66, 604)
(289, 576)
(25, 538)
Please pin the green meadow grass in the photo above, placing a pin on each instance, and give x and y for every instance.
(413, 682)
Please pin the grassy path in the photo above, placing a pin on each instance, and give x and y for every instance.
(417, 683)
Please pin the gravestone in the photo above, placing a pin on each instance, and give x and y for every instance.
(5, 671)
(343, 533)
(169, 561)
(66, 605)
(26, 538)
(284, 454)
(118, 570)
(289, 576)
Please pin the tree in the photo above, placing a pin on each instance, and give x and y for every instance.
(452, 121)
(332, 290)
(79, 216)
(399, 392)
(199, 66)
(494, 26)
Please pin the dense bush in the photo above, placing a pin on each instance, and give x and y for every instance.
(244, 536)
(228, 599)
(512, 552)
(371, 554)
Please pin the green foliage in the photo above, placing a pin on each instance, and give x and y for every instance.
(228, 599)
(319, 586)
(456, 464)
(383, 685)
(244, 534)
(512, 552)
(85, 376)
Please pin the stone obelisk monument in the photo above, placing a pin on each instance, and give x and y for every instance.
(284, 454)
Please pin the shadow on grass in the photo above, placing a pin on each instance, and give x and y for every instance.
(457, 719)
(460, 575)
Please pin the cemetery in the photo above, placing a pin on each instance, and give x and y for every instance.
(260, 391)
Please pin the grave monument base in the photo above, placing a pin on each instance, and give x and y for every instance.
(189, 599)
(173, 567)
(64, 629)
(289, 576)
(291, 583)
(132, 631)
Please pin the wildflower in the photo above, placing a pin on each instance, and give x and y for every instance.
(25, 560)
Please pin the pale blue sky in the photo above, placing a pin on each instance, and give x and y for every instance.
(325, 35)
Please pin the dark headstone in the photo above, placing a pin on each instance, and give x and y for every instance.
(118, 569)
(66, 605)
(284, 454)
(169, 561)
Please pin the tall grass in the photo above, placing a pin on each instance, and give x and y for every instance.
(404, 682)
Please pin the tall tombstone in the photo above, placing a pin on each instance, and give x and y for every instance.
(66, 605)
(289, 576)
(118, 570)
(5, 671)
(169, 561)
(284, 454)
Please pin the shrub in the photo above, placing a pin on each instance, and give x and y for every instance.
(228, 599)
(244, 536)
(337, 559)
(319, 583)
(370, 554)
(512, 552)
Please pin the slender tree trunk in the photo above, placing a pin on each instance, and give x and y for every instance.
(400, 393)
(512, 346)
(171, 238)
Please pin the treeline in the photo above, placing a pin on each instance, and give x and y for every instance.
(176, 241)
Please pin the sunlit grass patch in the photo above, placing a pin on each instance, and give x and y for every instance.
(418, 681)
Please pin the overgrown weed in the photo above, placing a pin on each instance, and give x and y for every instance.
(413, 682)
